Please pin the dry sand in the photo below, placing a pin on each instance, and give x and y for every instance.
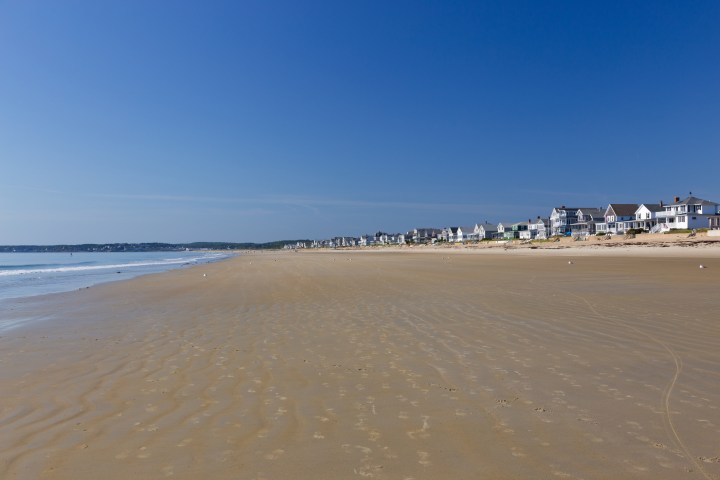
(382, 365)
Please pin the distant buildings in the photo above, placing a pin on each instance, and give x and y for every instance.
(578, 222)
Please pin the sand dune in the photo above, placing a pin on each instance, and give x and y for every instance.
(380, 365)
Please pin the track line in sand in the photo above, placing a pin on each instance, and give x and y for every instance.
(667, 393)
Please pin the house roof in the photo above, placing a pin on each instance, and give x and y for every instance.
(593, 212)
(488, 227)
(653, 207)
(623, 209)
(567, 209)
(694, 201)
(575, 209)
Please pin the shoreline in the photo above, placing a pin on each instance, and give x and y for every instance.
(18, 302)
(338, 364)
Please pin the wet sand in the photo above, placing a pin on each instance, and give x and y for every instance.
(381, 365)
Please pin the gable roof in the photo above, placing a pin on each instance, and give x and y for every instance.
(488, 227)
(653, 207)
(623, 209)
(593, 212)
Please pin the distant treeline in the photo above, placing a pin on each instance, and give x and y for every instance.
(148, 247)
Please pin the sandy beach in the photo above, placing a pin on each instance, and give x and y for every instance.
(578, 363)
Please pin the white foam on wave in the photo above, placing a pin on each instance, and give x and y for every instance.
(77, 268)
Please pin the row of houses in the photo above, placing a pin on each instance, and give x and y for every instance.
(615, 219)
(686, 214)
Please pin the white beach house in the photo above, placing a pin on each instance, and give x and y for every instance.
(561, 218)
(483, 231)
(645, 217)
(537, 229)
(690, 213)
(465, 234)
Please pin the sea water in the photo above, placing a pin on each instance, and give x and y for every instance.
(30, 274)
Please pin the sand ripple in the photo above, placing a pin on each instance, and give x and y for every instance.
(387, 366)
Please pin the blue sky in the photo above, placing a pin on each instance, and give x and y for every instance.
(256, 121)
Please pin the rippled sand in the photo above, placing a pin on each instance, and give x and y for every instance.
(390, 365)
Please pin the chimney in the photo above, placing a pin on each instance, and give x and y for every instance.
(563, 206)
(677, 199)
(661, 203)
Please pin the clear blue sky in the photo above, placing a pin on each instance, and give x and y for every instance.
(240, 121)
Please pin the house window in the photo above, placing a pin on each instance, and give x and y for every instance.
(647, 215)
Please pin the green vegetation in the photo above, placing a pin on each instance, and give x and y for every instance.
(687, 230)
(547, 240)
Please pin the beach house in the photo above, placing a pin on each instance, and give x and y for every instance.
(586, 220)
(465, 234)
(561, 218)
(519, 229)
(645, 217)
(510, 231)
(451, 233)
(425, 234)
(444, 235)
(483, 231)
(367, 240)
(501, 228)
(690, 213)
(615, 217)
(537, 229)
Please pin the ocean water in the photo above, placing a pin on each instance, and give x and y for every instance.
(30, 274)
